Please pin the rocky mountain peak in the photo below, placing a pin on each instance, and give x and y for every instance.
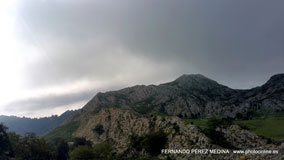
(190, 77)
(278, 78)
(196, 81)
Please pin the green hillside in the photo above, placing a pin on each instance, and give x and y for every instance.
(269, 125)
(64, 132)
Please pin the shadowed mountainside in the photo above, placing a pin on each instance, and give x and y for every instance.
(39, 126)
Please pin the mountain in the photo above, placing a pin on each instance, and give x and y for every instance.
(39, 126)
(189, 96)
(142, 120)
(192, 96)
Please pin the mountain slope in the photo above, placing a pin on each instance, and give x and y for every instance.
(122, 128)
(39, 126)
(193, 96)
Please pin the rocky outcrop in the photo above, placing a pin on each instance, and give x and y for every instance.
(120, 124)
(193, 96)
(117, 126)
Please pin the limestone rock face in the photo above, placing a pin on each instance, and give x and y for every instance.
(193, 96)
(245, 140)
(119, 125)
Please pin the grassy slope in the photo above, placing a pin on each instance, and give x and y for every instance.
(271, 126)
(197, 122)
(64, 132)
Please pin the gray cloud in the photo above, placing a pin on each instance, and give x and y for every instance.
(238, 43)
(48, 102)
(226, 40)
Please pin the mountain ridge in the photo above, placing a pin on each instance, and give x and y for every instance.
(192, 96)
(39, 126)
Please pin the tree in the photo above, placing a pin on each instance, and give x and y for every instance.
(33, 148)
(14, 140)
(80, 141)
(152, 143)
(29, 147)
(62, 149)
(82, 153)
(5, 145)
(102, 151)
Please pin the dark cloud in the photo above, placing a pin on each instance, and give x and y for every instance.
(231, 41)
(238, 43)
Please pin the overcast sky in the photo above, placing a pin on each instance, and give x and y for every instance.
(57, 54)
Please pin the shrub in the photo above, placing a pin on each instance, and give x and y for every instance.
(102, 151)
(176, 127)
(154, 142)
(151, 124)
(136, 142)
(81, 142)
(217, 137)
(82, 153)
(180, 115)
(225, 122)
(243, 126)
(99, 129)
